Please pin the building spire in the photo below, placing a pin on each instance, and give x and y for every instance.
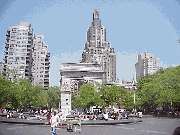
(95, 14)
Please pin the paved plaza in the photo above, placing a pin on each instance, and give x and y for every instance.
(149, 126)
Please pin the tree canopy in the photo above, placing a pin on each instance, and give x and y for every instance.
(160, 88)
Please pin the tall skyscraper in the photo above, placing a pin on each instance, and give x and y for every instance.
(20, 50)
(146, 64)
(97, 49)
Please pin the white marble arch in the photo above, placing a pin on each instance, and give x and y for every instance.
(73, 75)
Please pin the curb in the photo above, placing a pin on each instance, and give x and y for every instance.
(95, 122)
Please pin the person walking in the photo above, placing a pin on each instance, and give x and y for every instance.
(54, 122)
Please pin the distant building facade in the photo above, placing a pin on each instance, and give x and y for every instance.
(146, 64)
(97, 49)
(20, 50)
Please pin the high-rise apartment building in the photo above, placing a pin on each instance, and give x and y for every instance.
(97, 49)
(20, 48)
(146, 64)
(41, 63)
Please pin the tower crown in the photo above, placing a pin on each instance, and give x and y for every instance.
(95, 14)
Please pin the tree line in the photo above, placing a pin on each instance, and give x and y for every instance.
(20, 93)
(160, 90)
(102, 95)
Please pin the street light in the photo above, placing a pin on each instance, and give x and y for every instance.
(134, 99)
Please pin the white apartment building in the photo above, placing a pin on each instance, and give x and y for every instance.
(19, 53)
(19, 46)
(41, 63)
(146, 64)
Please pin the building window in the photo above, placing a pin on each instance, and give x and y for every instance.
(13, 29)
(10, 53)
(21, 67)
(17, 58)
(11, 49)
(24, 41)
(9, 62)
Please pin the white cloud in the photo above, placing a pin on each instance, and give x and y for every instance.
(125, 64)
(55, 64)
(164, 65)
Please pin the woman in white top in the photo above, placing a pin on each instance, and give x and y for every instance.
(54, 122)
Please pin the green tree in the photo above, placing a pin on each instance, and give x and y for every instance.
(5, 88)
(53, 96)
(160, 88)
(88, 96)
(75, 103)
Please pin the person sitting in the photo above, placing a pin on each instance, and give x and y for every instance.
(105, 116)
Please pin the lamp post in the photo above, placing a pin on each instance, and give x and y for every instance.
(134, 99)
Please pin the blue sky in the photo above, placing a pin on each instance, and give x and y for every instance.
(132, 27)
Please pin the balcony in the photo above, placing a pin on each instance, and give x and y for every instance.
(29, 49)
(7, 46)
(5, 59)
(47, 63)
(28, 53)
(46, 81)
(6, 55)
(28, 59)
(48, 54)
(46, 86)
(47, 66)
(47, 73)
(46, 77)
